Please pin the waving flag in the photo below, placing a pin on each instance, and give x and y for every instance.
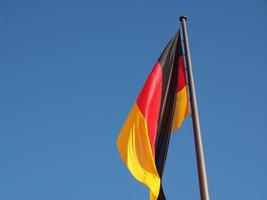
(159, 109)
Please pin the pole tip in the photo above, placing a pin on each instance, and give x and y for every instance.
(183, 17)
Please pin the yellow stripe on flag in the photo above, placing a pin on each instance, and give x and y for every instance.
(181, 109)
(134, 149)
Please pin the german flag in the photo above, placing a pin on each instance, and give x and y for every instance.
(159, 109)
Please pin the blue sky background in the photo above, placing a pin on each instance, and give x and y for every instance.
(70, 72)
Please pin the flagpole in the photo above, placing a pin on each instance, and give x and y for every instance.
(201, 166)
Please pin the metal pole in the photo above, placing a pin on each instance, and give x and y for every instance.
(202, 174)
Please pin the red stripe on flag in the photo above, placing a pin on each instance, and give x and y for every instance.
(181, 80)
(149, 102)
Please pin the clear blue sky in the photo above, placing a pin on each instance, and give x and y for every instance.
(70, 72)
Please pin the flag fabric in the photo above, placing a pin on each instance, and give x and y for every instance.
(159, 109)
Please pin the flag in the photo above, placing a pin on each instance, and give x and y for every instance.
(159, 109)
